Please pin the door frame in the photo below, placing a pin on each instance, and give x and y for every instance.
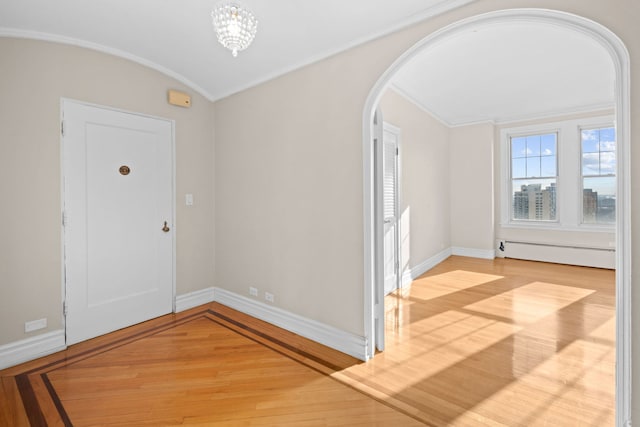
(620, 58)
(172, 152)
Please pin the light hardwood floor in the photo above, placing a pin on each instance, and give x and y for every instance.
(473, 342)
(502, 342)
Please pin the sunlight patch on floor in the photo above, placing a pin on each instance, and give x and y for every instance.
(475, 349)
(431, 287)
(446, 339)
(530, 303)
(568, 379)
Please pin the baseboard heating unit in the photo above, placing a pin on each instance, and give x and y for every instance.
(557, 253)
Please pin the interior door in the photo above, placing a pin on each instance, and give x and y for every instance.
(118, 234)
(390, 210)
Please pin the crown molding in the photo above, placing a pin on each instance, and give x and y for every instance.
(55, 38)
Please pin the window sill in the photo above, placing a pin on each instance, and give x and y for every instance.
(583, 228)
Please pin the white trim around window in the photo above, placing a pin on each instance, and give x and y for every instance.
(569, 174)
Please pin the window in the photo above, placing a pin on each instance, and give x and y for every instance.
(534, 175)
(598, 175)
(559, 175)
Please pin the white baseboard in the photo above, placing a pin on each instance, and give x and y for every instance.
(474, 253)
(335, 338)
(31, 348)
(42, 345)
(194, 299)
(413, 273)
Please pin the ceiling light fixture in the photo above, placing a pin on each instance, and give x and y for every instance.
(235, 26)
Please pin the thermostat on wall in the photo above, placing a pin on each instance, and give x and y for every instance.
(180, 99)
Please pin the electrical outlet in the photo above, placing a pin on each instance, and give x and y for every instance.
(268, 296)
(34, 325)
(253, 291)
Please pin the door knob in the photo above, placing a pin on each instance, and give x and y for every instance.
(165, 228)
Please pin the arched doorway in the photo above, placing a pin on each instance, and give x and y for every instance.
(620, 59)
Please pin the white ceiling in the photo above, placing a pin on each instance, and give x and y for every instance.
(177, 38)
(500, 73)
(509, 72)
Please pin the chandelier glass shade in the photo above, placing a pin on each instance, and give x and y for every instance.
(235, 26)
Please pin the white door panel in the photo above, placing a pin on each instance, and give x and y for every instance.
(390, 210)
(118, 259)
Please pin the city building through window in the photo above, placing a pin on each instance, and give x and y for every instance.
(598, 175)
(534, 171)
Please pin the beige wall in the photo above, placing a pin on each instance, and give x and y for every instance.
(472, 192)
(307, 127)
(34, 75)
(424, 181)
(288, 176)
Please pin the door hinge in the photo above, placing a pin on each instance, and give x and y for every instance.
(64, 308)
(397, 151)
(62, 127)
(64, 219)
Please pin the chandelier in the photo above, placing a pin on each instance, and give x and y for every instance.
(235, 26)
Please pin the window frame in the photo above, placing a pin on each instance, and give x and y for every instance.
(510, 138)
(506, 181)
(569, 184)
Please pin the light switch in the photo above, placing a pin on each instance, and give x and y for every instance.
(188, 198)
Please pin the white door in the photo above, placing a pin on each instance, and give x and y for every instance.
(390, 209)
(118, 233)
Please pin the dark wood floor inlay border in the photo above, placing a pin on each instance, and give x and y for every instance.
(274, 341)
(23, 381)
(56, 401)
(34, 410)
(30, 402)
